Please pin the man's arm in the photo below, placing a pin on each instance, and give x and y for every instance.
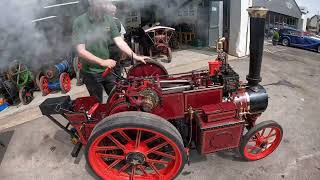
(123, 46)
(83, 53)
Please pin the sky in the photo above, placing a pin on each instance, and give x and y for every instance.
(313, 6)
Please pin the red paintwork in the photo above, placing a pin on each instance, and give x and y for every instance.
(216, 123)
(65, 82)
(270, 137)
(221, 111)
(113, 149)
(175, 105)
(106, 72)
(214, 67)
(217, 135)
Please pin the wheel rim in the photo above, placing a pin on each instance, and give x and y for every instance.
(44, 85)
(147, 70)
(285, 42)
(263, 143)
(65, 82)
(134, 153)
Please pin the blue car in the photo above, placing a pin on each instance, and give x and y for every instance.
(296, 38)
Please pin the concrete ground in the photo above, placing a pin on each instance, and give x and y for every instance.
(40, 150)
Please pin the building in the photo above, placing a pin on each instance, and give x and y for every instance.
(314, 24)
(282, 13)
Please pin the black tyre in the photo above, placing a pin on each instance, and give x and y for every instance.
(318, 49)
(135, 145)
(286, 42)
(26, 95)
(261, 140)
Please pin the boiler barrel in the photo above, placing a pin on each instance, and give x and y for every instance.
(257, 26)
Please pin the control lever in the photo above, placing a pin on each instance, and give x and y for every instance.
(106, 72)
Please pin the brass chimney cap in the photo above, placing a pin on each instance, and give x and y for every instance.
(257, 12)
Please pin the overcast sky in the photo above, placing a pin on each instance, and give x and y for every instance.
(312, 5)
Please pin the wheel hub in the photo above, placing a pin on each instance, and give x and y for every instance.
(135, 158)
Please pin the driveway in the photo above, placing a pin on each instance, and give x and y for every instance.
(40, 150)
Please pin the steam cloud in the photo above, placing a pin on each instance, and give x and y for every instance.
(30, 41)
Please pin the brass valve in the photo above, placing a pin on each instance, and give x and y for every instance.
(220, 44)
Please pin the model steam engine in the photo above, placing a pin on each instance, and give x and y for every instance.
(152, 119)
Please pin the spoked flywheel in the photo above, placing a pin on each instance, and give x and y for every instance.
(135, 145)
(151, 68)
(261, 140)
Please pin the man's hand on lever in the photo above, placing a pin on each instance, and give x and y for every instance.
(109, 63)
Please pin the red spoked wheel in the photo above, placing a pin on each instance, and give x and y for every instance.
(261, 140)
(25, 95)
(65, 82)
(135, 145)
(44, 86)
(151, 68)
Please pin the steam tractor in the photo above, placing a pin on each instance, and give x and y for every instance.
(153, 119)
(56, 77)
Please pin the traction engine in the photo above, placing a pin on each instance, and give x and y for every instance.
(152, 119)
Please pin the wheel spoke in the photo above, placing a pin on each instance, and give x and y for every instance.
(111, 156)
(113, 164)
(270, 132)
(123, 134)
(252, 147)
(154, 161)
(157, 147)
(153, 138)
(106, 148)
(143, 169)
(270, 136)
(155, 169)
(138, 139)
(262, 132)
(126, 166)
(165, 155)
(121, 146)
(133, 172)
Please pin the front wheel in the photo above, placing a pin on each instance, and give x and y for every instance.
(285, 42)
(65, 83)
(135, 145)
(261, 140)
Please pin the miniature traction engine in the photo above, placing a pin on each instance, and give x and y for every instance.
(153, 119)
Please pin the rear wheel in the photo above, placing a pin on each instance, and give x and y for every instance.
(135, 145)
(285, 42)
(261, 140)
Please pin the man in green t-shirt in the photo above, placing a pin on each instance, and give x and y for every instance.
(93, 33)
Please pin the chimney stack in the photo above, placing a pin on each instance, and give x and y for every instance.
(257, 27)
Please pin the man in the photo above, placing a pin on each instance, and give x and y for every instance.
(93, 33)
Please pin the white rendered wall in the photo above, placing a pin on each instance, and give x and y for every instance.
(239, 38)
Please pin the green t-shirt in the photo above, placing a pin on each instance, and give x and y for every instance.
(97, 36)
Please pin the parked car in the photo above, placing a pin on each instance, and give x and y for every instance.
(296, 38)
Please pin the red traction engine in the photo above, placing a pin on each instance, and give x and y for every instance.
(153, 119)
